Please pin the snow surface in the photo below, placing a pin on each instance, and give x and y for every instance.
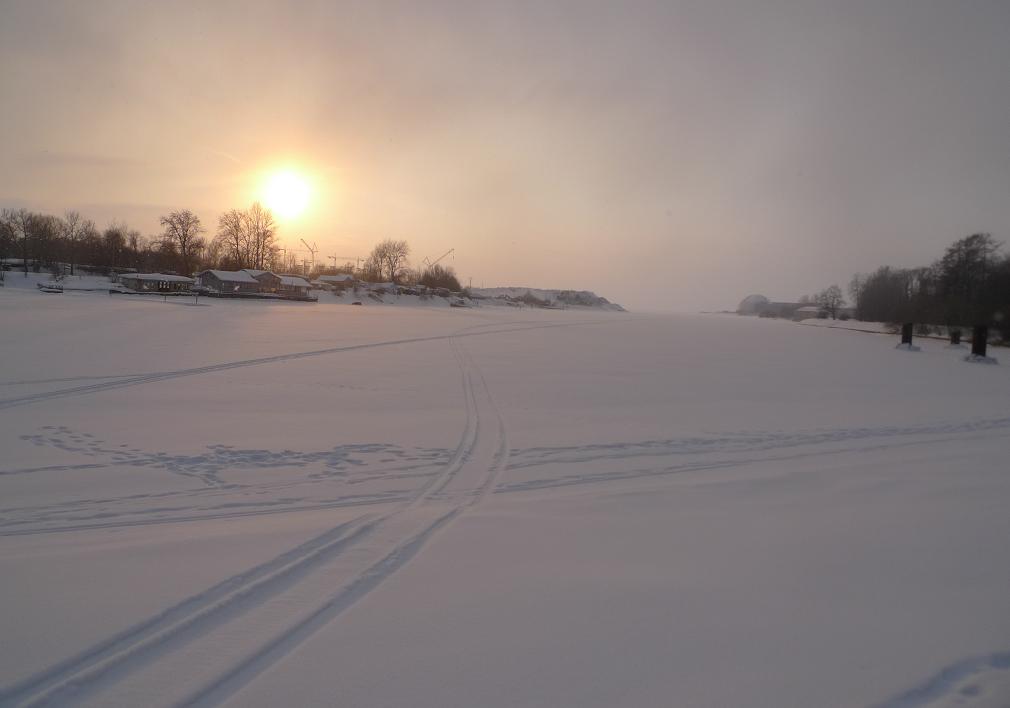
(266, 503)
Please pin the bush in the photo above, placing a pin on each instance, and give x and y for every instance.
(438, 276)
(532, 300)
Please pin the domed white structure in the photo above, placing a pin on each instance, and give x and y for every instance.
(752, 305)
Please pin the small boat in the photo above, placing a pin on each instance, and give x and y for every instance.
(50, 287)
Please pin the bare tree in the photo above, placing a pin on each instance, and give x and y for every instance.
(830, 299)
(232, 237)
(74, 229)
(371, 270)
(390, 257)
(962, 274)
(856, 286)
(46, 232)
(113, 243)
(19, 224)
(183, 229)
(214, 254)
(8, 237)
(261, 230)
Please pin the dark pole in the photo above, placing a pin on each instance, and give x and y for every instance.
(906, 333)
(979, 340)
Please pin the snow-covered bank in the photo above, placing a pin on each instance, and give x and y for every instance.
(852, 325)
(323, 505)
(556, 298)
(368, 294)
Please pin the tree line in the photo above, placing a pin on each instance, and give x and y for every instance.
(244, 238)
(968, 285)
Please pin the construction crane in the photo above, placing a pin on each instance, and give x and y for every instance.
(312, 249)
(428, 263)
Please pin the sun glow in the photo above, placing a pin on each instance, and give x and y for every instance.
(286, 194)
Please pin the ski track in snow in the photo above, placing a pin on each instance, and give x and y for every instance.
(882, 438)
(739, 442)
(207, 466)
(662, 471)
(349, 464)
(227, 635)
(423, 464)
(277, 604)
(226, 366)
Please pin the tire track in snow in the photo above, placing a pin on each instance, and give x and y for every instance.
(268, 602)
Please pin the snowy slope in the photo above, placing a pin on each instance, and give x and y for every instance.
(244, 503)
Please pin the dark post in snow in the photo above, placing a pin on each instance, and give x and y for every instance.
(906, 333)
(979, 339)
(955, 336)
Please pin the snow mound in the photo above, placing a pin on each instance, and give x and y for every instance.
(548, 298)
(752, 304)
(978, 359)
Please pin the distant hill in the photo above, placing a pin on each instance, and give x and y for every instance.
(549, 298)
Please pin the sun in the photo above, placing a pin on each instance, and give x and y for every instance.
(286, 194)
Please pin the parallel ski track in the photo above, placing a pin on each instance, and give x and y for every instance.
(343, 504)
(105, 663)
(227, 366)
(582, 478)
(241, 675)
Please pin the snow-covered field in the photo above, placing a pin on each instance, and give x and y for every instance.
(266, 503)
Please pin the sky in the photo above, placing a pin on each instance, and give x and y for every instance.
(667, 155)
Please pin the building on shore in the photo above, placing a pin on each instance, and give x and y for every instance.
(341, 281)
(228, 282)
(293, 286)
(156, 282)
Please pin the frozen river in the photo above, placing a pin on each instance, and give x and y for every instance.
(263, 504)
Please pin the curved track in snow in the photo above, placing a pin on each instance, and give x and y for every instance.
(223, 637)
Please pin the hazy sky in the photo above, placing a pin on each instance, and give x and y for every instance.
(670, 155)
